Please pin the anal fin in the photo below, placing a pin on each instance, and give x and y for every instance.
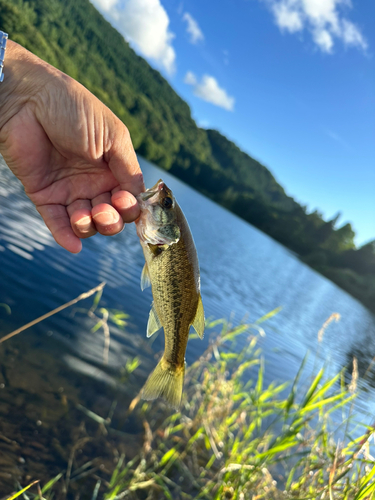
(153, 324)
(198, 323)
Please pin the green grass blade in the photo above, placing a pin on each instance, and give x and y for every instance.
(232, 334)
(96, 300)
(96, 490)
(50, 483)
(292, 395)
(259, 384)
(167, 456)
(321, 404)
(22, 491)
(7, 308)
(276, 449)
(312, 388)
(366, 488)
(268, 315)
(320, 393)
(115, 473)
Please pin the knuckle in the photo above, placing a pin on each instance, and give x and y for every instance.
(126, 133)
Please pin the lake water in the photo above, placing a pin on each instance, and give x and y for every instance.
(58, 364)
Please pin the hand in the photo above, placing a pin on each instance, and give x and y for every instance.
(72, 154)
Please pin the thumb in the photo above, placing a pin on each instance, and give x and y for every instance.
(123, 163)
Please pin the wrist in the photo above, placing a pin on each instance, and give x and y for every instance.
(3, 44)
(23, 80)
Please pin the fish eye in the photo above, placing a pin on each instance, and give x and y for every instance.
(167, 202)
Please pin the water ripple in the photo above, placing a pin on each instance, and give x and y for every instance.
(244, 275)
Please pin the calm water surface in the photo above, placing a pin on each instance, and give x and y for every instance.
(244, 275)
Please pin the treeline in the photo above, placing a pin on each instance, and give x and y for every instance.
(73, 36)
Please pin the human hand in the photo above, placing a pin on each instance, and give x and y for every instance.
(72, 154)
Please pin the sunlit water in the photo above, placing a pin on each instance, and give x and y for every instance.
(244, 275)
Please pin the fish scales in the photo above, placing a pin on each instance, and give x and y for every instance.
(172, 269)
(175, 298)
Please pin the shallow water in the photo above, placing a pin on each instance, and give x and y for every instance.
(46, 371)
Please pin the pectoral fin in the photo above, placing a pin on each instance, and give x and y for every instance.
(153, 324)
(145, 278)
(198, 323)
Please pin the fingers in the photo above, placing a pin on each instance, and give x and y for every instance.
(126, 205)
(81, 218)
(107, 220)
(87, 218)
(57, 220)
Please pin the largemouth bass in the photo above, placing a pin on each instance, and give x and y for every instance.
(172, 270)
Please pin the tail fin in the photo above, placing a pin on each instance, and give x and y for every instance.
(165, 382)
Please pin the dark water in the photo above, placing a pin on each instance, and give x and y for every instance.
(46, 371)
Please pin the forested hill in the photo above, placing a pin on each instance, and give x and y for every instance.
(73, 36)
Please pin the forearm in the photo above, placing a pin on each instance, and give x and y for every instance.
(24, 76)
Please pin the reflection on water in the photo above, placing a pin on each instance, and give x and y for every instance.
(47, 370)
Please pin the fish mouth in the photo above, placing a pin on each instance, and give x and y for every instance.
(149, 193)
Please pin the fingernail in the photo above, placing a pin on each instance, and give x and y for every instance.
(84, 224)
(124, 201)
(106, 218)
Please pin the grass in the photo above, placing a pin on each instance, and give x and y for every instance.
(236, 438)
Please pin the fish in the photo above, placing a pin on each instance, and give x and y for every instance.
(172, 269)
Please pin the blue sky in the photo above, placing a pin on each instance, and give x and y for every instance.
(291, 82)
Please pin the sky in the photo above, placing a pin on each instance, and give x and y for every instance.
(291, 82)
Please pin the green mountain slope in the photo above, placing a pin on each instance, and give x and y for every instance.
(73, 36)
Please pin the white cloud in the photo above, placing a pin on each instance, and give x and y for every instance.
(105, 5)
(145, 24)
(323, 39)
(323, 18)
(192, 28)
(322, 10)
(287, 18)
(352, 35)
(209, 90)
(190, 78)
